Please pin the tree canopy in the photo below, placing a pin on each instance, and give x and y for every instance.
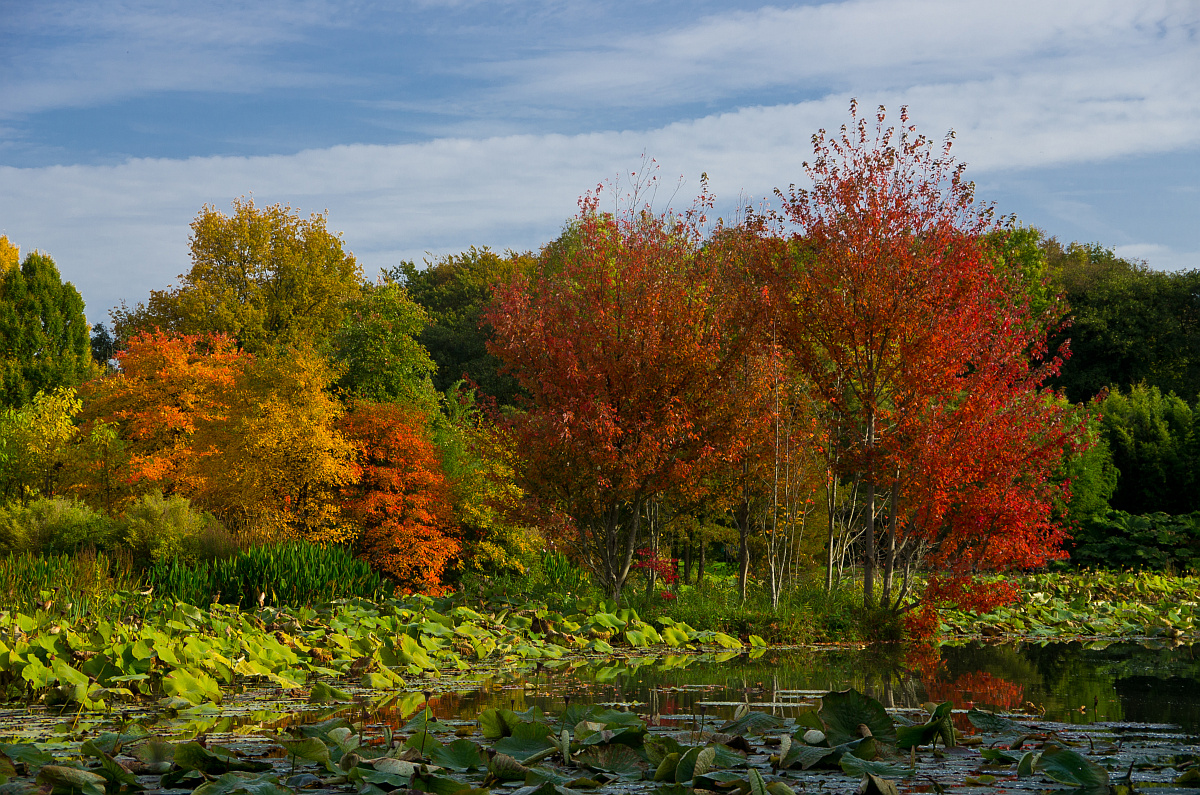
(264, 276)
(44, 341)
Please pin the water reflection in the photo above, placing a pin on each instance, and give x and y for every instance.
(1069, 682)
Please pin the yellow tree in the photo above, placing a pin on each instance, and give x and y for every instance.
(34, 444)
(277, 458)
(10, 255)
(250, 439)
(264, 276)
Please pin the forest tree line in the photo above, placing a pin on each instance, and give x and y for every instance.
(650, 386)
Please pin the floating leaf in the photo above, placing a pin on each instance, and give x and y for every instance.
(323, 693)
(843, 712)
(71, 780)
(460, 755)
(620, 760)
(1069, 767)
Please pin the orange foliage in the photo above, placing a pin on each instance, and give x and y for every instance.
(168, 389)
(402, 501)
(251, 439)
(977, 687)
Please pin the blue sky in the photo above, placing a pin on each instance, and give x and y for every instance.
(426, 127)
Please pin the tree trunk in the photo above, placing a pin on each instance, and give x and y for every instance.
(687, 559)
(831, 540)
(743, 523)
(889, 559)
(869, 537)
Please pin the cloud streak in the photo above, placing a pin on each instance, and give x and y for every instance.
(120, 230)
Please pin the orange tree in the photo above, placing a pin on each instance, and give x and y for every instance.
(400, 499)
(623, 340)
(912, 331)
(251, 439)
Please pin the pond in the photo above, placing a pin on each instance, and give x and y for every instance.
(1077, 683)
(1122, 711)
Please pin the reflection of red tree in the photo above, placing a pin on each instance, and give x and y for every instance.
(977, 688)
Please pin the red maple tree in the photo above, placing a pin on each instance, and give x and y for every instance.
(400, 501)
(627, 341)
(910, 329)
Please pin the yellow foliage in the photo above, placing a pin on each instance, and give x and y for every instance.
(10, 255)
(34, 443)
(265, 276)
(278, 459)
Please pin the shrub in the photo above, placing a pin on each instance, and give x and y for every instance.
(168, 528)
(1156, 541)
(54, 526)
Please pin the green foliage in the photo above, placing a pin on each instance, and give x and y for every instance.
(43, 334)
(377, 346)
(265, 276)
(74, 583)
(54, 526)
(1150, 435)
(1093, 476)
(293, 573)
(1157, 541)
(454, 290)
(34, 441)
(160, 528)
(1088, 604)
(1130, 324)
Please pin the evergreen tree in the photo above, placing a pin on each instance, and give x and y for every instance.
(43, 334)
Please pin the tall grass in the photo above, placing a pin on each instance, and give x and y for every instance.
(73, 583)
(292, 573)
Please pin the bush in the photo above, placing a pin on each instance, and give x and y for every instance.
(168, 528)
(1157, 541)
(54, 526)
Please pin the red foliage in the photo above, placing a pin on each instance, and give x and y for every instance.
(401, 502)
(977, 687)
(624, 337)
(915, 336)
(666, 569)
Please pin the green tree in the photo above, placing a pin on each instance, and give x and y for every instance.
(43, 334)
(1150, 435)
(266, 277)
(1129, 324)
(377, 347)
(455, 291)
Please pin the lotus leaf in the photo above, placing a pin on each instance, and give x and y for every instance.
(939, 725)
(237, 782)
(1072, 768)
(71, 780)
(460, 755)
(695, 762)
(525, 741)
(620, 760)
(843, 712)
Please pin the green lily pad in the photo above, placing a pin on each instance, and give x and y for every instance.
(620, 760)
(460, 755)
(1072, 768)
(843, 712)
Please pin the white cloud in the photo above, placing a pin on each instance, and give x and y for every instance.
(876, 44)
(1160, 257)
(77, 55)
(120, 230)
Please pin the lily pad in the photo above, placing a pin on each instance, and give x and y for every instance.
(844, 712)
